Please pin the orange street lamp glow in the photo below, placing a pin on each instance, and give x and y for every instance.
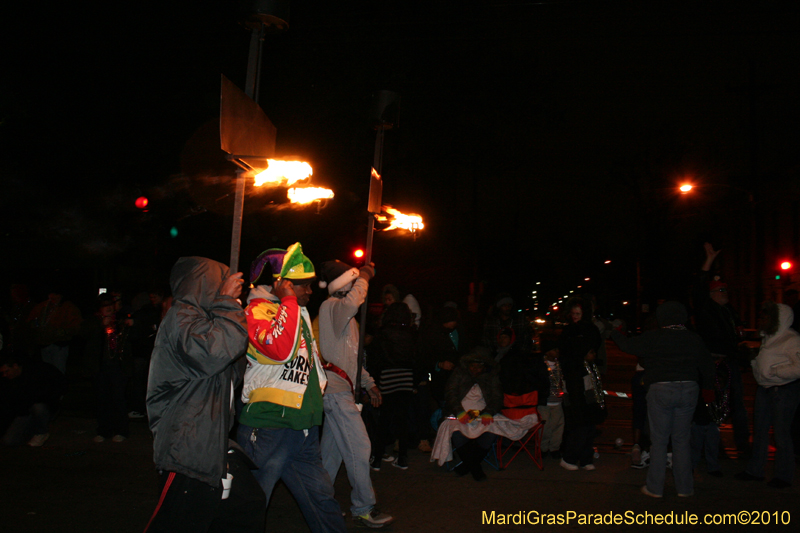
(686, 187)
(279, 171)
(306, 195)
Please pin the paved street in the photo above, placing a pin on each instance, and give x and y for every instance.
(74, 485)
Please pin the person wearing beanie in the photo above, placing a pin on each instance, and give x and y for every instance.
(345, 437)
(502, 316)
(677, 367)
(279, 426)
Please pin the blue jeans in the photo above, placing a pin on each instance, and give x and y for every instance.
(294, 457)
(774, 407)
(705, 436)
(670, 408)
(344, 438)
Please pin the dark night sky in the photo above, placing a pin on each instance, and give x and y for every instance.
(535, 138)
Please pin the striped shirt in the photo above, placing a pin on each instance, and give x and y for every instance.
(397, 380)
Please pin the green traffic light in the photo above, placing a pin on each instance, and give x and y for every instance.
(173, 232)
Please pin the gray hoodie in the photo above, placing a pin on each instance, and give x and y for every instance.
(197, 362)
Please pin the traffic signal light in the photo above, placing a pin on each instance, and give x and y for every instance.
(358, 253)
(142, 202)
(785, 267)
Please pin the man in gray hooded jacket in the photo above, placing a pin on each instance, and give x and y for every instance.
(196, 365)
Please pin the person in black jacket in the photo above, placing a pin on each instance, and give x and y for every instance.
(394, 357)
(474, 393)
(676, 366)
(578, 345)
(719, 326)
(30, 394)
(197, 363)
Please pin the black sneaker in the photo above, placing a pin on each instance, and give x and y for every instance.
(401, 463)
(375, 464)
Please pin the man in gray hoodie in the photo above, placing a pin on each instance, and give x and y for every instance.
(197, 362)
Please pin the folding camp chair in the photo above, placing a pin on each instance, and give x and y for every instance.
(517, 407)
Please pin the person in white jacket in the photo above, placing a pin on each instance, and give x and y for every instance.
(776, 369)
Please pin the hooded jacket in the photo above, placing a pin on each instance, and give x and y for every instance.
(196, 364)
(778, 360)
(461, 381)
(338, 337)
(670, 353)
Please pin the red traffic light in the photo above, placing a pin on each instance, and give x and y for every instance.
(358, 253)
(142, 202)
(786, 265)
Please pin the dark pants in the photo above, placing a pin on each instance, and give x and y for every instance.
(739, 420)
(472, 451)
(112, 414)
(578, 446)
(394, 421)
(137, 390)
(775, 406)
(191, 506)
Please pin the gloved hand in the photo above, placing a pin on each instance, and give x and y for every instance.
(463, 417)
(367, 271)
(486, 419)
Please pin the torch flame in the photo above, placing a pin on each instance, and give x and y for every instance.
(306, 195)
(411, 222)
(277, 171)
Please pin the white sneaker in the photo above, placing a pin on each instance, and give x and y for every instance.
(38, 440)
(118, 438)
(135, 415)
(588, 467)
(99, 439)
(644, 462)
(566, 466)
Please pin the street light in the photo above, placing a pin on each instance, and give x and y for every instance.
(686, 187)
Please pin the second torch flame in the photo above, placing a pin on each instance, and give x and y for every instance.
(277, 171)
(397, 220)
(307, 195)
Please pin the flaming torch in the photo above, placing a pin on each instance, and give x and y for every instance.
(410, 222)
(279, 171)
(307, 195)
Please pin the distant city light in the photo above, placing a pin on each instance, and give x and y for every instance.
(585, 279)
(686, 187)
(608, 261)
